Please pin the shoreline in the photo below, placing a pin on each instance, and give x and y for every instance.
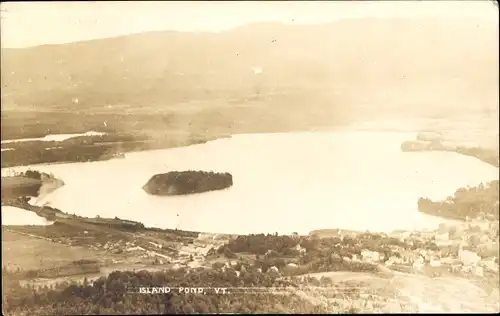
(144, 248)
(156, 144)
(343, 128)
(323, 257)
(122, 242)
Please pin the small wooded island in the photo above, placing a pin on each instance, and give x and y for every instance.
(187, 182)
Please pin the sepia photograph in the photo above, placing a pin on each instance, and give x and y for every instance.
(249, 157)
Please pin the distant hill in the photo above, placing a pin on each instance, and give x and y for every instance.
(355, 66)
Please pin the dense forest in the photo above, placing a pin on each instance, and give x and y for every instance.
(472, 202)
(117, 294)
(33, 174)
(187, 182)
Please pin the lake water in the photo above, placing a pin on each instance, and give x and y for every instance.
(289, 182)
(17, 216)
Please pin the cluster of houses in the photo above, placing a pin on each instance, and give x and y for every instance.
(469, 248)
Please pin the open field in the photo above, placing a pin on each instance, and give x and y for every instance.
(19, 185)
(27, 253)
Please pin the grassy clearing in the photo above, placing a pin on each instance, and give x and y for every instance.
(26, 253)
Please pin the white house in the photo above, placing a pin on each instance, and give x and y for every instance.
(443, 237)
(478, 271)
(435, 263)
(370, 256)
(468, 258)
(419, 263)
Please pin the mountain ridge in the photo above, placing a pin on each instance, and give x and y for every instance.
(345, 62)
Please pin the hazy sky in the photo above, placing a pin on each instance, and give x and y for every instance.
(35, 23)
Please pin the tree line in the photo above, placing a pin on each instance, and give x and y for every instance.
(113, 295)
(472, 202)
